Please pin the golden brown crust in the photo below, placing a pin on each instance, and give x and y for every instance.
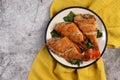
(65, 48)
(66, 29)
(93, 38)
(85, 28)
(81, 18)
(70, 30)
(74, 34)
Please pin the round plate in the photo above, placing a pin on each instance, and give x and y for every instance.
(59, 18)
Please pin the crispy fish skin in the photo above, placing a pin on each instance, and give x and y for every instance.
(84, 18)
(92, 36)
(59, 45)
(86, 24)
(71, 31)
(94, 52)
(85, 28)
(91, 54)
(65, 48)
(68, 46)
(66, 29)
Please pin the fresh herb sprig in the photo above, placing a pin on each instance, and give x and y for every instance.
(88, 43)
(54, 34)
(82, 49)
(69, 17)
(76, 62)
(99, 34)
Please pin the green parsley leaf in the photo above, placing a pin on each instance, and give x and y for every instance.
(54, 34)
(76, 62)
(88, 43)
(82, 49)
(99, 34)
(69, 17)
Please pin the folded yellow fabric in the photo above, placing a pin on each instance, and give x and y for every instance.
(45, 68)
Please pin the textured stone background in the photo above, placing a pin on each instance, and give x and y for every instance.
(22, 28)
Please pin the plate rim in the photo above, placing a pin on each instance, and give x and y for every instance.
(94, 14)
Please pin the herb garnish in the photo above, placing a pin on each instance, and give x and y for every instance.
(69, 17)
(82, 49)
(88, 43)
(99, 34)
(54, 34)
(76, 62)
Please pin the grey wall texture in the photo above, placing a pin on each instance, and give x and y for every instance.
(22, 29)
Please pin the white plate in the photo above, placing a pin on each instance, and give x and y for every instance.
(77, 10)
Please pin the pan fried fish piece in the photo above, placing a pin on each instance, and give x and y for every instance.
(85, 27)
(65, 48)
(94, 52)
(84, 18)
(91, 54)
(92, 36)
(70, 30)
(85, 22)
(78, 37)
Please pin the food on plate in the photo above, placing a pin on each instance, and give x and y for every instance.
(65, 48)
(84, 18)
(99, 34)
(70, 30)
(86, 23)
(75, 40)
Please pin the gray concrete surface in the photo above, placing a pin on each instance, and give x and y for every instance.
(22, 28)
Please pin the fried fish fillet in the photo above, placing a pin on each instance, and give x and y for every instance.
(73, 35)
(84, 18)
(85, 27)
(65, 48)
(86, 23)
(92, 53)
(92, 36)
(71, 31)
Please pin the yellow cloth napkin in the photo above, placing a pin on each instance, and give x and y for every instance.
(45, 68)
